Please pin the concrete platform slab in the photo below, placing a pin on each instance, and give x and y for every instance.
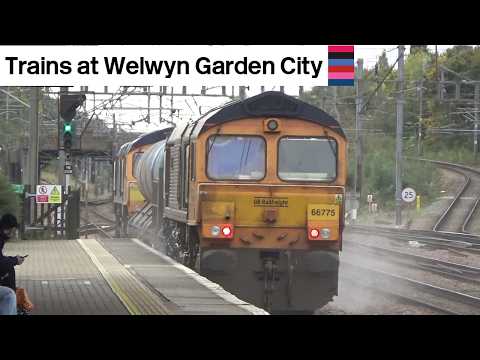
(61, 279)
(190, 292)
(113, 277)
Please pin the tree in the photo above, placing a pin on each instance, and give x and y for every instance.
(9, 202)
(415, 49)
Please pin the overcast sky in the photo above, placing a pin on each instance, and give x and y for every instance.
(190, 107)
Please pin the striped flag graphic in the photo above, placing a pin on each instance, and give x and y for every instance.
(341, 69)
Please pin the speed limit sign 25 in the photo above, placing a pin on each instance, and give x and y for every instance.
(409, 195)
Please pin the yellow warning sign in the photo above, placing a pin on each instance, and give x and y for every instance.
(51, 194)
(55, 196)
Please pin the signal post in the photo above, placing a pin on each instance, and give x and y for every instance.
(68, 105)
(67, 109)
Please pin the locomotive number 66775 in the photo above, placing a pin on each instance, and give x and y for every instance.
(251, 195)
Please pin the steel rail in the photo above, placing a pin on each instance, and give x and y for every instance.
(451, 238)
(96, 229)
(454, 270)
(469, 216)
(444, 215)
(396, 296)
(424, 288)
(461, 170)
(97, 202)
(106, 218)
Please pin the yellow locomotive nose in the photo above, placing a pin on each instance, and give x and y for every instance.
(217, 219)
(279, 217)
(323, 221)
(270, 216)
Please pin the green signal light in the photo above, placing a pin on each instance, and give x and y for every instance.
(67, 128)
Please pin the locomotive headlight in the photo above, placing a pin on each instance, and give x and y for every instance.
(272, 125)
(325, 233)
(215, 230)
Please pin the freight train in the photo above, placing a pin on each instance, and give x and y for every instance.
(127, 198)
(251, 195)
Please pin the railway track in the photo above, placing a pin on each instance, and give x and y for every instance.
(94, 227)
(97, 214)
(436, 239)
(407, 289)
(457, 218)
(449, 269)
(452, 229)
(356, 282)
(97, 202)
(91, 228)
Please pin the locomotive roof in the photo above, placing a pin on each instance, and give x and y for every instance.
(270, 103)
(145, 139)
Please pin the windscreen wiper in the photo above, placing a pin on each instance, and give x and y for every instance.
(330, 141)
(213, 141)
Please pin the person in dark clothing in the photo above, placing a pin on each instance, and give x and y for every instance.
(8, 225)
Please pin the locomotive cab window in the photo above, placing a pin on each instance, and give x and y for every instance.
(186, 175)
(307, 159)
(115, 177)
(232, 157)
(122, 176)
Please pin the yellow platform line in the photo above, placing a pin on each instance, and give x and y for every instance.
(135, 296)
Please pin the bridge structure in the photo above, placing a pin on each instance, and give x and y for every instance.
(95, 140)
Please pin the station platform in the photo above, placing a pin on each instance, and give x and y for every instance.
(118, 276)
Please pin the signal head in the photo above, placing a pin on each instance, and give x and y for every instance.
(69, 103)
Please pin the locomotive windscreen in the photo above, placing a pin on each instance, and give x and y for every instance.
(236, 157)
(307, 159)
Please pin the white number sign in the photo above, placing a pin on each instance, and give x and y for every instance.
(409, 195)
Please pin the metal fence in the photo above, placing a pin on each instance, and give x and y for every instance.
(58, 221)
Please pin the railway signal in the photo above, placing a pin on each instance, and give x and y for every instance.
(69, 103)
(67, 135)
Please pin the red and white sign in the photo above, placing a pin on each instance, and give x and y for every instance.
(49, 194)
(42, 198)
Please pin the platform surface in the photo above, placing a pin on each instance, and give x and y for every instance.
(115, 277)
(61, 279)
(186, 291)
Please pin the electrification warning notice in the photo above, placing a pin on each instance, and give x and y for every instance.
(49, 194)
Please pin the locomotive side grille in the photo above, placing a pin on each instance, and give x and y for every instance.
(174, 177)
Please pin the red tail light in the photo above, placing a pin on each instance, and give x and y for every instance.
(227, 231)
(314, 233)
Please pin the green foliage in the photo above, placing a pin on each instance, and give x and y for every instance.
(9, 200)
(464, 60)
(457, 154)
(380, 120)
(379, 174)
